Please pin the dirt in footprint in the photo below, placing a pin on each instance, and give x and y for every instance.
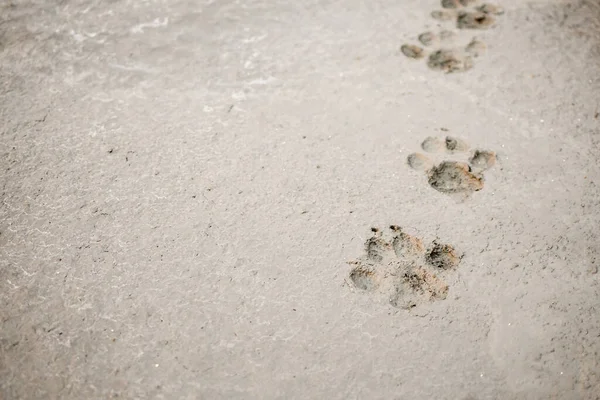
(455, 177)
(399, 269)
(450, 61)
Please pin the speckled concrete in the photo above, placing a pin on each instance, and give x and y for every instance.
(184, 182)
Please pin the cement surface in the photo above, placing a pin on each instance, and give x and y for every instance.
(184, 183)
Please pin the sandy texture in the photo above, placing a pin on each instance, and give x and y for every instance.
(184, 184)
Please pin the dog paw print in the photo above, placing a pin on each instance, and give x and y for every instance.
(468, 14)
(445, 55)
(448, 60)
(461, 173)
(403, 271)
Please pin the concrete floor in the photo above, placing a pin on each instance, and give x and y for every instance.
(184, 183)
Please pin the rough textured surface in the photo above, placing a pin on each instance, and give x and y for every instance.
(183, 183)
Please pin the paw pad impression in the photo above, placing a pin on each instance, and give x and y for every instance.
(466, 15)
(453, 176)
(399, 267)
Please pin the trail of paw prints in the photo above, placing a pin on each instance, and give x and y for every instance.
(399, 268)
(460, 176)
(446, 56)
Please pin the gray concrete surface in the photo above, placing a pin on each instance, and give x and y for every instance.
(184, 182)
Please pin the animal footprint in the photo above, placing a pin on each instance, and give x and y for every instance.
(447, 60)
(467, 14)
(447, 57)
(461, 176)
(399, 268)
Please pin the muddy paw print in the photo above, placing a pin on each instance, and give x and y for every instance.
(446, 56)
(468, 14)
(461, 173)
(449, 59)
(401, 270)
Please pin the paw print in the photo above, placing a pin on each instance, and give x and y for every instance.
(453, 176)
(400, 269)
(468, 14)
(448, 57)
(447, 60)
